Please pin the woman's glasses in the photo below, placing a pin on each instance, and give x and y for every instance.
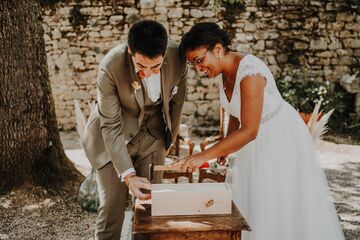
(197, 61)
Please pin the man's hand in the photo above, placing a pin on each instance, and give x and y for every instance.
(135, 185)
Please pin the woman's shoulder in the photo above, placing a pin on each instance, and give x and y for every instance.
(249, 59)
(249, 65)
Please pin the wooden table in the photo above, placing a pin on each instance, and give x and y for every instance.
(199, 227)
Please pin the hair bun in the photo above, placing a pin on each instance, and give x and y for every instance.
(225, 38)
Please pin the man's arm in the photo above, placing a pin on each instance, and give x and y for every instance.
(176, 104)
(111, 122)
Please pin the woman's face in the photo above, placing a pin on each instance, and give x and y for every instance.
(204, 60)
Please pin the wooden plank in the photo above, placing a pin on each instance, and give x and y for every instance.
(145, 223)
(190, 199)
(213, 235)
(167, 168)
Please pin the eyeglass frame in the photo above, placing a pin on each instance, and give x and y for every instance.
(199, 59)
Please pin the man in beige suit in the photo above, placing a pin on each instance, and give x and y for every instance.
(141, 89)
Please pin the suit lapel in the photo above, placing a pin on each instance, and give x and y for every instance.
(139, 94)
(165, 77)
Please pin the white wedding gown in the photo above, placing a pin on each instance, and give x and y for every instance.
(277, 182)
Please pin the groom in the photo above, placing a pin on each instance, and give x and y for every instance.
(141, 90)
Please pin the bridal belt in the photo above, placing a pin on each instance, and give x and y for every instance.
(272, 114)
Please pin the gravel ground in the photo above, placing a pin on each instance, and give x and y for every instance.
(31, 212)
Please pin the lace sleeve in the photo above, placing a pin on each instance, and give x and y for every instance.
(250, 68)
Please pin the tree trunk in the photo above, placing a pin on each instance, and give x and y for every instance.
(30, 146)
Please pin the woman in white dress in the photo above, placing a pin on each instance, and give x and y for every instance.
(277, 182)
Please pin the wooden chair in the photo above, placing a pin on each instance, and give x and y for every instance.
(174, 154)
(206, 173)
(216, 177)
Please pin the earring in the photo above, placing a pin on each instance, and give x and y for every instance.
(219, 56)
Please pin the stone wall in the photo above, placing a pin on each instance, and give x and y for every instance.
(322, 36)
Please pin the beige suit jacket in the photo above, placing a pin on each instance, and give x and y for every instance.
(120, 108)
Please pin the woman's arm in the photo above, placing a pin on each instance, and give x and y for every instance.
(252, 95)
(232, 125)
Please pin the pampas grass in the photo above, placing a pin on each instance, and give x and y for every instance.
(80, 120)
(317, 123)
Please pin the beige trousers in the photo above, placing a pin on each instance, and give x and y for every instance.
(113, 193)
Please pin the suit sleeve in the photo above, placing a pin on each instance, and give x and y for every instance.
(111, 122)
(176, 104)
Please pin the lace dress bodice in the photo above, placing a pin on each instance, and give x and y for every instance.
(250, 66)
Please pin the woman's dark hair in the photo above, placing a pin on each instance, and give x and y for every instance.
(205, 34)
(149, 38)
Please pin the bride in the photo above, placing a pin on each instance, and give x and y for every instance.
(277, 182)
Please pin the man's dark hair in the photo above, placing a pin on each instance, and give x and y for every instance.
(205, 34)
(148, 38)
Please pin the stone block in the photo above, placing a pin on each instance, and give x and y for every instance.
(353, 26)
(196, 13)
(161, 10)
(347, 60)
(301, 45)
(261, 35)
(318, 44)
(161, 18)
(106, 33)
(352, 43)
(189, 108)
(250, 27)
(357, 53)
(344, 17)
(251, 9)
(244, 38)
(78, 65)
(175, 13)
(129, 11)
(326, 54)
(282, 58)
(55, 34)
(343, 52)
(147, 12)
(208, 13)
(94, 34)
(81, 94)
(272, 60)
(260, 45)
(202, 109)
(324, 61)
(274, 69)
(195, 96)
(116, 19)
(170, 3)
(160, 3)
(269, 44)
(347, 34)
(335, 44)
(147, 4)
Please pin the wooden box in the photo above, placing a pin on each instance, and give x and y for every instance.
(190, 199)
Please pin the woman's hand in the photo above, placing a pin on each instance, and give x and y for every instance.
(189, 164)
(192, 163)
(177, 166)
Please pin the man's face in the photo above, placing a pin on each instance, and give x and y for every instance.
(145, 67)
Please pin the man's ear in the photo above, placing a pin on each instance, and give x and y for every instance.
(129, 50)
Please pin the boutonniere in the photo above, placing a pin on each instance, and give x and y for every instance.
(136, 86)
